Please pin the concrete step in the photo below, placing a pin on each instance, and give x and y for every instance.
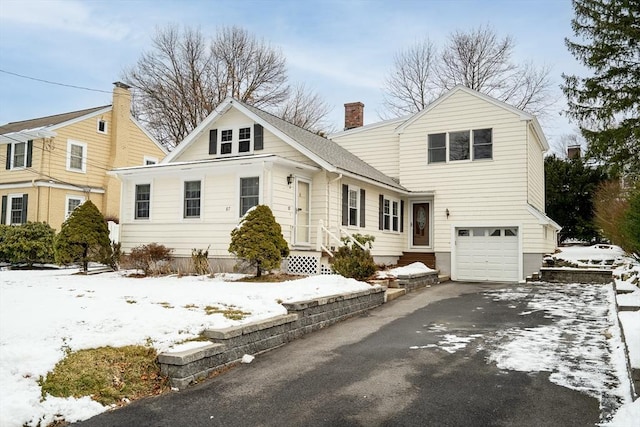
(393, 293)
(443, 278)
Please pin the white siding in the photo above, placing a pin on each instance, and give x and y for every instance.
(233, 119)
(378, 147)
(535, 169)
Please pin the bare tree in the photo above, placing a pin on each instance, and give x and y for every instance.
(306, 109)
(249, 69)
(185, 76)
(477, 59)
(410, 86)
(174, 84)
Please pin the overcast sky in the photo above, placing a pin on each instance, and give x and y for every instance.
(340, 49)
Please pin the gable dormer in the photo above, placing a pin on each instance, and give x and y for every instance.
(238, 140)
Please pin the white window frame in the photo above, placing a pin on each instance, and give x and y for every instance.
(390, 215)
(239, 183)
(10, 198)
(135, 200)
(235, 141)
(357, 206)
(105, 131)
(13, 155)
(148, 160)
(71, 143)
(66, 204)
(471, 157)
(183, 214)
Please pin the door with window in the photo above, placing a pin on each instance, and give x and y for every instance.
(421, 224)
(302, 217)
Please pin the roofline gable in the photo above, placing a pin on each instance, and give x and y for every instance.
(146, 132)
(460, 88)
(190, 138)
(80, 118)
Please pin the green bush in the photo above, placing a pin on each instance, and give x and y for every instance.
(153, 259)
(29, 243)
(84, 237)
(350, 260)
(259, 240)
(4, 231)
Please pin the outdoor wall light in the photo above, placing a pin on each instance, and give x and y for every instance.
(290, 179)
(447, 212)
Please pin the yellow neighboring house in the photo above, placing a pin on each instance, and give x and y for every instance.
(51, 165)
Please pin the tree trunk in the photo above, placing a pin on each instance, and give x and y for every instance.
(259, 270)
(85, 262)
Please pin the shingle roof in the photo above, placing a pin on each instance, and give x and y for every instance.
(324, 148)
(46, 121)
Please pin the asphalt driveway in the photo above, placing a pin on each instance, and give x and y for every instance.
(457, 354)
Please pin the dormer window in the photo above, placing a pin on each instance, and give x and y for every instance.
(244, 140)
(237, 141)
(102, 126)
(226, 141)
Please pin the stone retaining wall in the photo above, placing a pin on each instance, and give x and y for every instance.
(416, 281)
(230, 344)
(575, 275)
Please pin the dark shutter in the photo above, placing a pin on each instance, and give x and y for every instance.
(401, 216)
(3, 218)
(25, 200)
(8, 156)
(362, 207)
(258, 137)
(345, 204)
(29, 152)
(213, 141)
(381, 212)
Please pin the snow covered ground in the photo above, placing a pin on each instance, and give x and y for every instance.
(43, 313)
(626, 272)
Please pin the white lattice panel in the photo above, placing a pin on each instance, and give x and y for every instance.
(299, 264)
(325, 269)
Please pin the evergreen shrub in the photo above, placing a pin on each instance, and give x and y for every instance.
(258, 240)
(350, 260)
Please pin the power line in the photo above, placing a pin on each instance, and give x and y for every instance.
(53, 83)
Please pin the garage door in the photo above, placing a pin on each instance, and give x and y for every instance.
(487, 253)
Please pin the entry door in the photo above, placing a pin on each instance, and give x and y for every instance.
(421, 224)
(303, 222)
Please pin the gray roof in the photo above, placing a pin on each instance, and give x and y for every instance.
(46, 121)
(324, 148)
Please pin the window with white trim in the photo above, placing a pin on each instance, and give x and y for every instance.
(102, 126)
(142, 201)
(71, 204)
(244, 140)
(476, 144)
(150, 160)
(354, 206)
(226, 141)
(14, 209)
(192, 199)
(76, 156)
(390, 214)
(249, 193)
(19, 158)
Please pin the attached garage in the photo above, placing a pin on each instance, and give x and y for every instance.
(487, 254)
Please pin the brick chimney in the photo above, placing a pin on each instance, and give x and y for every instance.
(353, 115)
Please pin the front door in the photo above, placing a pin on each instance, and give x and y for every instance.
(302, 212)
(421, 224)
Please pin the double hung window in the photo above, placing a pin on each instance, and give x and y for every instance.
(192, 199)
(249, 193)
(143, 199)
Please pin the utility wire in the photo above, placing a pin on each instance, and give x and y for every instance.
(52, 83)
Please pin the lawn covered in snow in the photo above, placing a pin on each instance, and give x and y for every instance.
(47, 312)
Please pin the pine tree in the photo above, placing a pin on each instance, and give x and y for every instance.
(570, 186)
(607, 104)
(84, 237)
(258, 239)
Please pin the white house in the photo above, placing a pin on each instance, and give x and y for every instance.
(459, 185)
